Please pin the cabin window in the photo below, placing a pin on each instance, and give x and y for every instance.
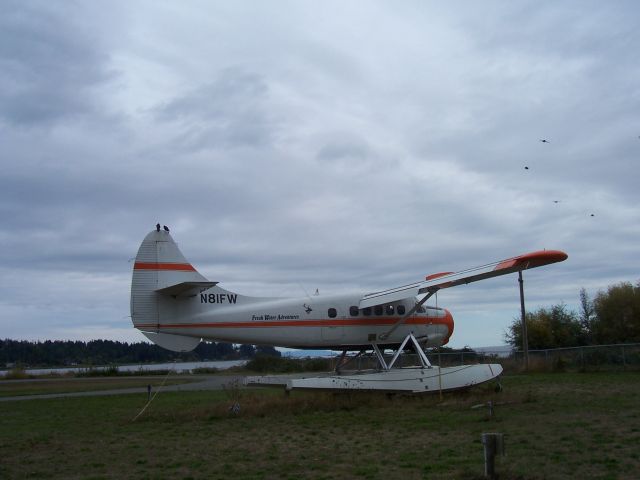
(333, 313)
(400, 310)
(366, 311)
(354, 311)
(377, 309)
(389, 309)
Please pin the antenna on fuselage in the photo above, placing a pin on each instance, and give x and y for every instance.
(304, 290)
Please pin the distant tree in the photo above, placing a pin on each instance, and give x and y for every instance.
(267, 350)
(206, 351)
(553, 327)
(225, 351)
(103, 352)
(247, 351)
(586, 315)
(617, 314)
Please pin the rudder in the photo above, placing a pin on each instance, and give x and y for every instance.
(159, 265)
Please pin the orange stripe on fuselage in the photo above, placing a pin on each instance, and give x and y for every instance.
(352, 322)
(184, 267)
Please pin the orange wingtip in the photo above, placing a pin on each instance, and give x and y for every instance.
(437, 275)
(533, 259)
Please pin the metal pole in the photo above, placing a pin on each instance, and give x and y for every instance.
(525, 337)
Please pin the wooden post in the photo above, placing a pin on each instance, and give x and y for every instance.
(525, 336)
(493, 445)
(440, 373)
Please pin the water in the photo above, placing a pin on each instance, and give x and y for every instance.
(177, 366)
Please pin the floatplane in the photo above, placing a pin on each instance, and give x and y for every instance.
(176, 307)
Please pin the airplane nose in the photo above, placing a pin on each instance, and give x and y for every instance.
(448, 321)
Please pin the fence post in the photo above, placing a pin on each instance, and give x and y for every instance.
(493, 445)
(624, 360)
(546, 358)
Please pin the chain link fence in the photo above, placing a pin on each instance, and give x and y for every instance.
(588, 358)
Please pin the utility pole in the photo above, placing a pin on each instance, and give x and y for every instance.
(525, 336)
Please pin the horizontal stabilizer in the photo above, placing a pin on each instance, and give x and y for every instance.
(435, 282)
(186, 289)
(175, 343)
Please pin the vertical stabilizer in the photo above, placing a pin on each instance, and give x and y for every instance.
(159, 265)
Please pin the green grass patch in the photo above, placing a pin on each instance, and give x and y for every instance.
(556, 426)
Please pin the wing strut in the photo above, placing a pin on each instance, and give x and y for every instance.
(403, 319)
(424, 361)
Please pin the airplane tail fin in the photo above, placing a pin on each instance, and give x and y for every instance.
(161, 271)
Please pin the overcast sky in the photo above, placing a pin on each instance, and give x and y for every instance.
(298, 145)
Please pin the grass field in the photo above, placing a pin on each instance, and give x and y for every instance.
(556, 426)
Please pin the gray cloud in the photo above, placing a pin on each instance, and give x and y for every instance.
(231, 111)
(287, 147)
(49, 64)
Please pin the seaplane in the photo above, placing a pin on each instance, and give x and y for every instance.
(176, 307)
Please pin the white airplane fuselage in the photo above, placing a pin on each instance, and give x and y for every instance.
(168, 296)
(306, 322)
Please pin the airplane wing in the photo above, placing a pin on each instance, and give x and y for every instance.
(438, 281)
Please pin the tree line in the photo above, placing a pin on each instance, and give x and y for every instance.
(612, 316)
(104, 352)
